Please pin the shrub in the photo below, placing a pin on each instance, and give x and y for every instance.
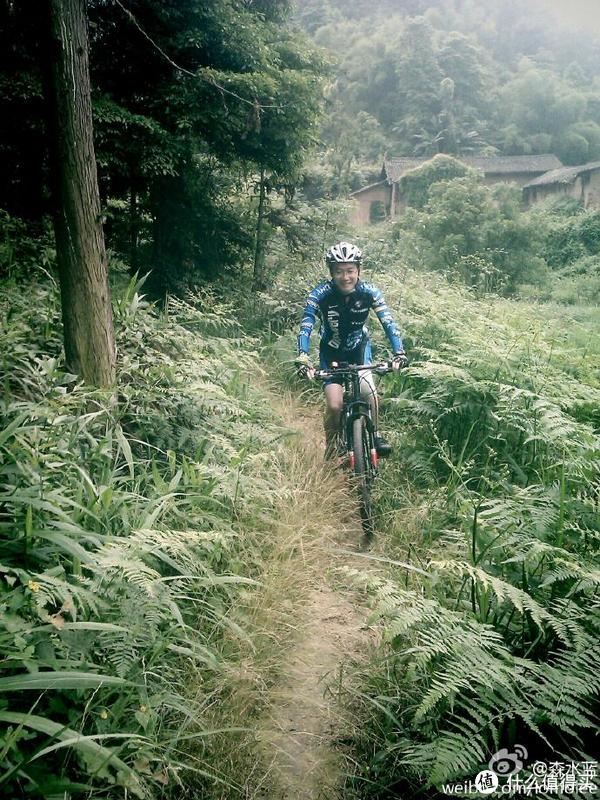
(474, 231)
(377, 211)
(416, 183)
(24, 248)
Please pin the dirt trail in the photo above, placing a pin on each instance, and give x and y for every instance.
(306, 720)
(300, 737)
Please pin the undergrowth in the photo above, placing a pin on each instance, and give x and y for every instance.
(490, 631)
(131, 527)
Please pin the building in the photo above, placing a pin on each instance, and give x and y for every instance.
(582, 183)
(384, 197)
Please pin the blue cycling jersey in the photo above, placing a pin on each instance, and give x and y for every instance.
(343, 317)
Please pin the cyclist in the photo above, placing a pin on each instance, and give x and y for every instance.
(343, 305)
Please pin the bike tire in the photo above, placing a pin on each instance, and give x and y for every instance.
(362, 472)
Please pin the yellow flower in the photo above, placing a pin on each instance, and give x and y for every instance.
(104, 714)
(33, 585)
(144, 708)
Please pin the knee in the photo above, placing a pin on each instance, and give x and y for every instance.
(334, 405)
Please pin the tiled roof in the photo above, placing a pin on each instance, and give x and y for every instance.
(364, 188)
(394, 168)
(563, 175)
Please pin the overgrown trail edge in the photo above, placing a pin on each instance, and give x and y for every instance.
(308, 717)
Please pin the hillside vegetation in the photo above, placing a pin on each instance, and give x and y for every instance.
(421, 77)
(131, 528)
(493, 493)
(134, 524)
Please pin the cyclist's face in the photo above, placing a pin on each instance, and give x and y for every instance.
(345, 277)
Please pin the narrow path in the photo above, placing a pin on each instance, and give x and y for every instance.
(306, 718)
(300, 736)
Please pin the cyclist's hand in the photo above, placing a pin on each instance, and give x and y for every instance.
(399, 361)
(304, 366)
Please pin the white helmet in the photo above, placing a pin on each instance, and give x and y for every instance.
(344, 253)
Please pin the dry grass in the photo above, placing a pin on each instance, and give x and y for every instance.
(313, 517)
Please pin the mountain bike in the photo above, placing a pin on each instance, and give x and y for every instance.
(356, 433)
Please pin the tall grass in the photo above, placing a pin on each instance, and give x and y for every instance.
(128, 532)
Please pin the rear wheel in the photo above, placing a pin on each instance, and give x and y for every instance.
(362, 471)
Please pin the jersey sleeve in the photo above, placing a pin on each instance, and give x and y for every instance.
(384, 316)
(309, 317)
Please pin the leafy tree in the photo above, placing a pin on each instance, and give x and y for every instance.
(545, 110)
(463, 77)
(466, 94)
(353, 138)
(590, 131)
(416, 183)
(228, 82)
(418, 96)
(476, 233)
(190, 101)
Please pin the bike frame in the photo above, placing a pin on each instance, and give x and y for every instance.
(354, 406)
(362, 455)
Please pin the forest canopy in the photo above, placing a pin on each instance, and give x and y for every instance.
(192, 101)
(420, 77)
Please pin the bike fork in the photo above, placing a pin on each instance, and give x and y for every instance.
(374, 458)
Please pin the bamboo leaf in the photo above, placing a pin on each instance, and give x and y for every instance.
(7, 432)
(84, 744)
(58, 680)
(125, 449)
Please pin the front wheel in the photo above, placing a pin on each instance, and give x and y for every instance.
(362, 471)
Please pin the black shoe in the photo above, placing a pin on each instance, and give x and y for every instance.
(383, 447)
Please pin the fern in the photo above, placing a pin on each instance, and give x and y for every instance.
(466, 684)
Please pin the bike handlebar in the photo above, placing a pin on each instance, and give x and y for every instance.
(381, 369)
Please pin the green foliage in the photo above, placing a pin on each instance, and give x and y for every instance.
(576, 283)
(569, 242)
(419, 81)
(456, 77)
(489, 614)
(474, 233)
(415, 183)
(496, 459)
(461, 690)
(377, 211)
(353, 139)
(128, 530)
(302, 230)
(190, 102)
(23, 248)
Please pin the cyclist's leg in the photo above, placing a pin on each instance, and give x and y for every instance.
(369, 392)
(334, 395)
(367, 385)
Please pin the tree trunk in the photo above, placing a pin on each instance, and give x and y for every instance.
(81, 255)
(259, 248)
